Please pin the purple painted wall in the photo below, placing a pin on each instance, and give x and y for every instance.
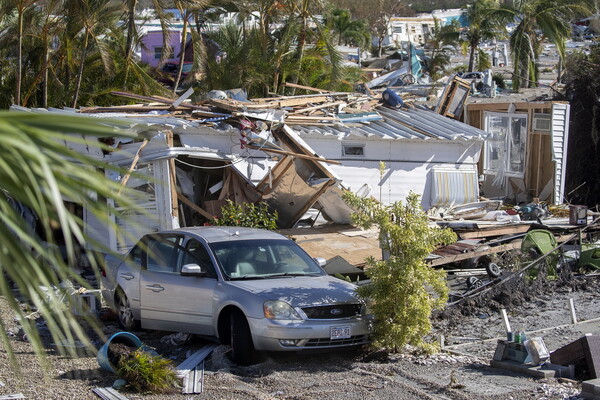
(152, 43)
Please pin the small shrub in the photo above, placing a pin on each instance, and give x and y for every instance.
(499, 79)
(247, 215)
(146, 373)
(404, 290)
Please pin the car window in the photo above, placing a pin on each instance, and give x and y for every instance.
(261, 259)
(161, 254)
(196, 253)
(135, 255)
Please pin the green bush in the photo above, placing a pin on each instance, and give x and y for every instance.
(248, 215)
(403, 291)
(146, 373)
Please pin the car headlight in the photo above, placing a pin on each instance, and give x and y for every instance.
(279, 310)
(367, 307)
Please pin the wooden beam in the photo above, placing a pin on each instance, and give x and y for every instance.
(172, 178)
(194, 207)
(289, 153)
(465, 256)
(157, 99)
(333, 104)
(483, 233)
(280, 169)
(296, 86)
(134, 162)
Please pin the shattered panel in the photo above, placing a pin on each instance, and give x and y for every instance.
(293, 196)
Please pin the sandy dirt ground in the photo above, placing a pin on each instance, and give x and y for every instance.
(470, 330)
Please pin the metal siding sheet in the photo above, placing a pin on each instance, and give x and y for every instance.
(560, 134)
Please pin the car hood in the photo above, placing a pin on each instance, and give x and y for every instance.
(301, 291)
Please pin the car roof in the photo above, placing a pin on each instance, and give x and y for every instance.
(214, 234)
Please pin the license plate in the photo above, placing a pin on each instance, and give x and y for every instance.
(339, 332)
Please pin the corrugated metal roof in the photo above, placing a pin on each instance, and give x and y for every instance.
(415, 123)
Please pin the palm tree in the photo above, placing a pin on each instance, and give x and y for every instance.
(536, 21)
(481, 26)
(439, 58)
(37, 172)
(304, 12)
(187, 8)
(348, 30)
(93, 19)
(19, 7)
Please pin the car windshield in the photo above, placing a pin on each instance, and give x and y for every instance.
(263, 259)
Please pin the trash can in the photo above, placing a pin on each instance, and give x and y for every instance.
(125, 338)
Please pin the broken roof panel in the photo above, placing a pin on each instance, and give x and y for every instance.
(414, 123)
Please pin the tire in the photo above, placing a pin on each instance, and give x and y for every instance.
(493, 270)
(125, 314)
(474, 283)
(242, 347)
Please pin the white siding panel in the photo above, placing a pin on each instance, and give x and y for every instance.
(560, 138)
(399, 179)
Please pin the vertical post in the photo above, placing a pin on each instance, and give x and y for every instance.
(409, 56)
(172, 178)
(572, 308)
(505, 318)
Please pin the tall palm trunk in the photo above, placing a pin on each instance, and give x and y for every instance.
(80, 73)
(130, 28)
(45, 73)
(472, 56)
(19, 58)
(182, 52)
(300, 50)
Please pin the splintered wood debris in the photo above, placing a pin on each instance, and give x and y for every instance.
(323, 108)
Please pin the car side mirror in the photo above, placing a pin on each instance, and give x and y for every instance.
(321, 261)
(192, 270)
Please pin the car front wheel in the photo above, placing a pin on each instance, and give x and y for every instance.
(242, 347)
(125, 314)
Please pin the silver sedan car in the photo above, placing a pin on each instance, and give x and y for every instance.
(253, 289)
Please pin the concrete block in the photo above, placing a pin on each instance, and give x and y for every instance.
(537, 371)
(590, 386)
(589, 396)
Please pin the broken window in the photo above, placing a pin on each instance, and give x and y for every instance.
(505, 149)
(353, 150)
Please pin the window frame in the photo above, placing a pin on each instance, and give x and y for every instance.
(357, 145)
(507, 144)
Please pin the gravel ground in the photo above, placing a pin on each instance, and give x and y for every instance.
(469, 329)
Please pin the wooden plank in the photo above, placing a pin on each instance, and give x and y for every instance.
(314, 108)
(510, 230)
(183, 97)
(194, 207)
(156, 99)
(465, 256)
(289, 153)
(307, 123)
(12, 396)
(296, 86)
(172, 179)
(268, 183)
(134, 162)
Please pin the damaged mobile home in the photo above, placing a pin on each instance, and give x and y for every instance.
(294, 153)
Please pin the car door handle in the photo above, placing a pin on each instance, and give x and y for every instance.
(155, 288)
(127, 276)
